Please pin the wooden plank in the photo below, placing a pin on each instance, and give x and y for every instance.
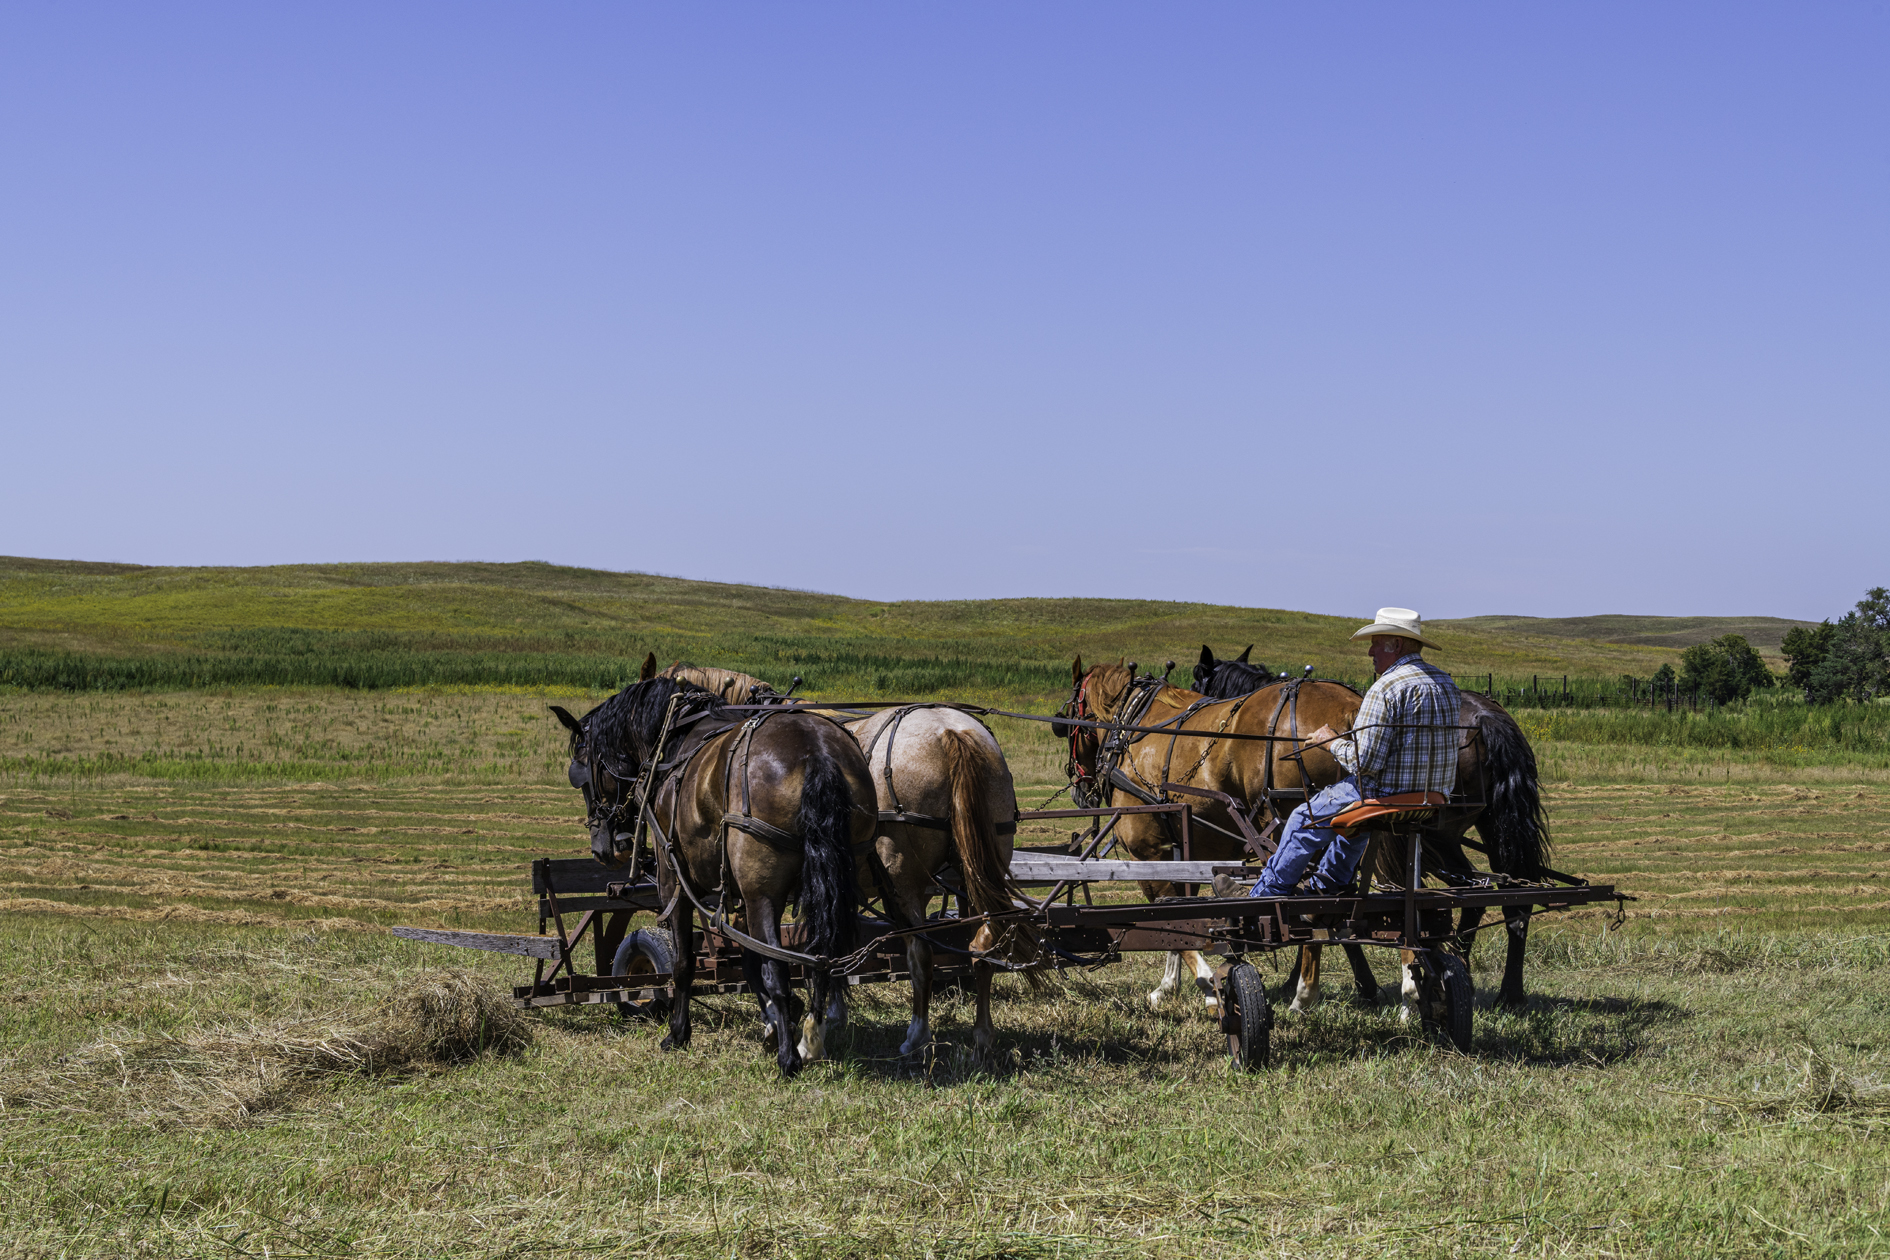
(545, 947)
(1030, 867)
(576, 875)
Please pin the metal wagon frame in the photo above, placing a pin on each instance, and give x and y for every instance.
(628, 969)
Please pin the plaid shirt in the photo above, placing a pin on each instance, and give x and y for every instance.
(1404, 739)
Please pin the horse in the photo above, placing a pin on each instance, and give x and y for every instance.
(761, 812)
(945, 797)
(1497, 769)
(1189, 753)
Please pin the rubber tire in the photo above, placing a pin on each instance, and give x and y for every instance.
(1244, 997)
(1456, 995)
(645, 951)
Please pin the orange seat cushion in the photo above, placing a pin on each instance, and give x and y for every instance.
(1387, 810)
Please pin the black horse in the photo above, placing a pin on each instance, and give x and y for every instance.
(1498, 792)
(754, 810)
(1239, 672)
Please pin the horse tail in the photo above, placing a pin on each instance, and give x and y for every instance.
(973, 833)
(986, 872)
(829, 893)
(1515, 811)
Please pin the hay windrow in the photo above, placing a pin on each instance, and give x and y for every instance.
(228, 1076)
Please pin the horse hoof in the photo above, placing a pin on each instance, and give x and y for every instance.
(673, 1042)
(1155, 1000)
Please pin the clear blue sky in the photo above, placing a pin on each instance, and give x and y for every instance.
(1476, 308)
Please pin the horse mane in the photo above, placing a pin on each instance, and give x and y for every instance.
(732, 685)
(1228, 679)
(623, 729)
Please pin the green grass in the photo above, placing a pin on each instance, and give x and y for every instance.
(69, 625)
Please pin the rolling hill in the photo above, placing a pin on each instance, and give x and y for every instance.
(84, 625)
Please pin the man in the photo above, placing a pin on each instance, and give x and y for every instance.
(1404, 740)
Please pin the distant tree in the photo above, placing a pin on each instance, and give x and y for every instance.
(1663, 680)
(1856, 665)
(1723, 670)
(1804, 649)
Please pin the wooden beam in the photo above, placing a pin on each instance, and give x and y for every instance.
(545, 947)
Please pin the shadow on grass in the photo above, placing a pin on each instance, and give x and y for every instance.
(1550, 1031)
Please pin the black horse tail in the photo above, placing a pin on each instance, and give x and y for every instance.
(1520, 844)
(829, 893)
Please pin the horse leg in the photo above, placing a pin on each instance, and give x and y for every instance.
(1512, 994)
(1362, 976)
(919, 967)
(813, 1045)
(1409, 993)
(764, 918)
(1467, 930)
(1203, 977)
(1306, 995)
(984, 1036)
(682, 929)
(1171, 980)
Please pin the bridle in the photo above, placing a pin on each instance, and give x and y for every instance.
(1084, 787)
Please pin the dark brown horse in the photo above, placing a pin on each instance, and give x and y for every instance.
(1106, 764)
(1498, 792)
(750, 812)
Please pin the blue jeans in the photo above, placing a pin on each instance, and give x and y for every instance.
(1301, 844)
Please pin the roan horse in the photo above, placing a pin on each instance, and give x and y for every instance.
(1103, 763)
(759, 812)
(945, 799)
(1497, 769)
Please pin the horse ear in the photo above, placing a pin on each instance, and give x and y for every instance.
(1242, 658)
(1076, 671)
(1207, 657)
(570, 722)
(649, 668)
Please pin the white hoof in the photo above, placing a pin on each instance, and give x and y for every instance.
(812, 1047)
(1155, 998)
(1305, 998)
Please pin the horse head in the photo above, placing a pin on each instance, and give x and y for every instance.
(604, 791)
(1224, 680)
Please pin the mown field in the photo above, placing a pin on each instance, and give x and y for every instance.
(197, 889)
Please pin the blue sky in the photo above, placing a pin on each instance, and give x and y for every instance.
(1474, 308)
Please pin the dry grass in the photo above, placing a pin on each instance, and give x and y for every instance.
(223, 1076)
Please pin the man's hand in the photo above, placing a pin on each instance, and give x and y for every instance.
(1321, 737)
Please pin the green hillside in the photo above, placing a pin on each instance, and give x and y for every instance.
(1767, 634)
(107, 626)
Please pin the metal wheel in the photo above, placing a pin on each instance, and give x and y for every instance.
(645, 952)
(1246, 1018)
(1448, 999)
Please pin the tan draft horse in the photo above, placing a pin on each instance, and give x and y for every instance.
(945, 798)
(1104, 764)
(760, 812)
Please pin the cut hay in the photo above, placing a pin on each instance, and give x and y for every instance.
(227, 1076)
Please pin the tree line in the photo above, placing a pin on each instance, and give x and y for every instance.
(1846, 659)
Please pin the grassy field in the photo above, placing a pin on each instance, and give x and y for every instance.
(113, 627)
(192, 962)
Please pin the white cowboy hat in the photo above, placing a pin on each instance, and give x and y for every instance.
(1398, 621)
